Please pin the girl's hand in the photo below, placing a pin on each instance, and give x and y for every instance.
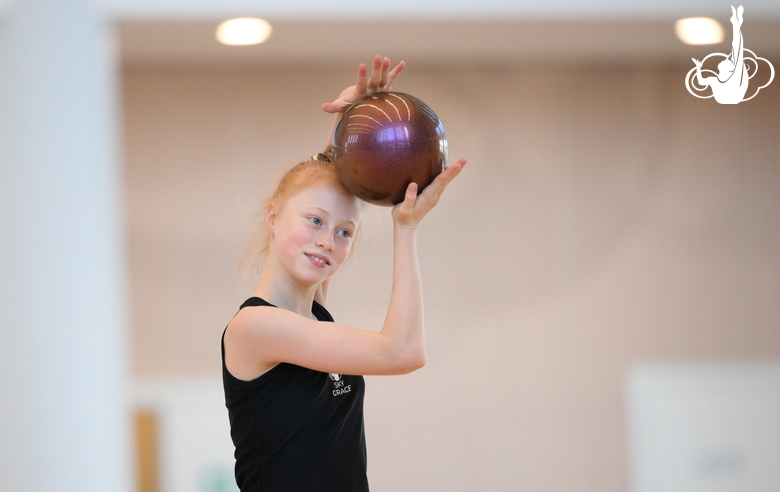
(381, 80)
(410, 212)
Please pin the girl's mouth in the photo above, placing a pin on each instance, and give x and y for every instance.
(317, 260)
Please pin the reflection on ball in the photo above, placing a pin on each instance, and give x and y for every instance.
(386, 141)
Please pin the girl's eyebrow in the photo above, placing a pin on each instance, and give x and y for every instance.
(325, 212)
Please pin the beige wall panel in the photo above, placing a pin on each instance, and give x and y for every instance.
(606, 217)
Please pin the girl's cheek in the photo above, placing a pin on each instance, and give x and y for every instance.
(292, 243)
(343, 251)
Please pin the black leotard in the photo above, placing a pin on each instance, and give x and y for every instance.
(296, 429)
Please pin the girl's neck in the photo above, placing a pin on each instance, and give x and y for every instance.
(282, 293)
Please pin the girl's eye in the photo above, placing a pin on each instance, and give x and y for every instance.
(344, 233)
(315, 220)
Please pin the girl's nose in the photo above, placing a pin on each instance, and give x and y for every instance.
(325, 240)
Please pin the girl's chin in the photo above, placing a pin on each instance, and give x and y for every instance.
(312, 278)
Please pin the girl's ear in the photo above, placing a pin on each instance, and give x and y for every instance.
(271, 214)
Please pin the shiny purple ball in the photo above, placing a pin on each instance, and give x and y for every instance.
(386, 141)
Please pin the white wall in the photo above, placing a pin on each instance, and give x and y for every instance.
(704, 427)
(64, 423)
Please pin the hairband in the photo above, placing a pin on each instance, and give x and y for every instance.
(320, 157)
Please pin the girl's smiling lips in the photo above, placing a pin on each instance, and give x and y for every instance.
(317, 260)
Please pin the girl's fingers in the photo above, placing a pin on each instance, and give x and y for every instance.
(405, 208)
(361, 85)
(449, 173)
(376, 73)
(456, 168)
(385, 70)
(393, 74)
(380, 79)
(411, 193)
(433, 191)
(410, 198)
(415, 207)
(336, 106)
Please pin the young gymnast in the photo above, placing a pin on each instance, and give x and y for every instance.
(293, 377)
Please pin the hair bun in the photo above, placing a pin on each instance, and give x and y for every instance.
(322, 157)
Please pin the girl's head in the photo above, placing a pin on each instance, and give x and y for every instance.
(298, 184)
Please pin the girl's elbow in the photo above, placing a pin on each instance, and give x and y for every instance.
(414, 360)
(404, 358)
(419, 362)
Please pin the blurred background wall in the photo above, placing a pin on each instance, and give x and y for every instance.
(606, 218)
(607, 221)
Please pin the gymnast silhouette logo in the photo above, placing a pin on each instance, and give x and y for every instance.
(730, 84)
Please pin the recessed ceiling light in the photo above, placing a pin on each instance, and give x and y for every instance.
(699, 30)
(243, 31)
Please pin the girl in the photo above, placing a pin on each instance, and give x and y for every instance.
(293, 377)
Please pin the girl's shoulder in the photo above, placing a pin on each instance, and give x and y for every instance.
(319, 311)
(252, 314)
(255, 301)
(247, 339)
(269, 310)
(258, 319)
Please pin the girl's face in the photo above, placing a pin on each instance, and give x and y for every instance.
(312, 233)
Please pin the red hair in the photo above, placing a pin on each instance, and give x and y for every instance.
(303, 175)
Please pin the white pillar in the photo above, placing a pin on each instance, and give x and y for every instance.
(63, 418)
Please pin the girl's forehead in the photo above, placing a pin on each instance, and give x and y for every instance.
(329, 198)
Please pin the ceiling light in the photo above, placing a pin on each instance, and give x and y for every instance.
(243, 31)
(699, 30)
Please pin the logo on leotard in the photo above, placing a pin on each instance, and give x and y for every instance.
(730, 84)
(339, 386)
